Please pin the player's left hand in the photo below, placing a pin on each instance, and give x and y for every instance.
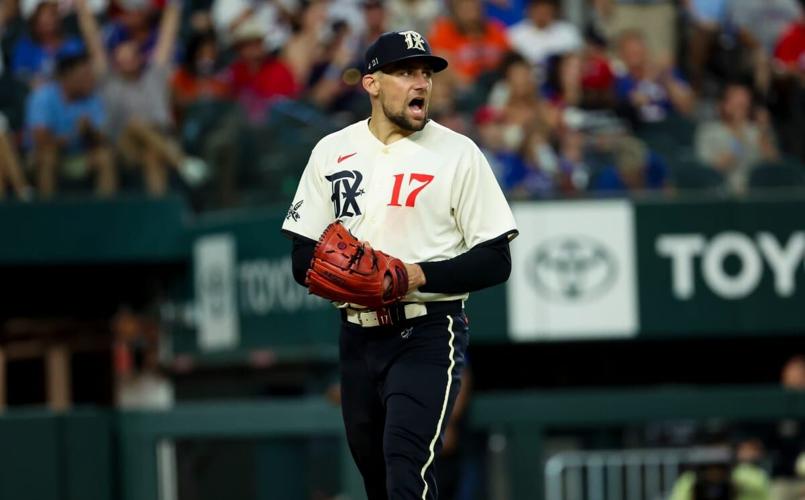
(416, 277)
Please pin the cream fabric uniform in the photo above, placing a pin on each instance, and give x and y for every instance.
(428, 197)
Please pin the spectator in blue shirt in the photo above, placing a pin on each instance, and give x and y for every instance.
(509, 12)
(33, 58)
(64, 120)
(635, 169)
(137, 21)
(648, 90)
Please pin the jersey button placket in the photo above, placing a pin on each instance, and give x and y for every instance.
(375, 187)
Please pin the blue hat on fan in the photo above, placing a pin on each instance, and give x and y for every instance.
(399, 46)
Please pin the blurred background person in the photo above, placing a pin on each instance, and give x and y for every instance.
(597, 74)
(739, 476)
(759, 25)
(516, 94)
(707, 27)
(788, 439)
(635, 169)
(199, 76)
(255, 76)
(655, 19)
(535, 172)
(305, 48)
(228, 15)
(471, 42)
(648, 89)
(542, 34)
(11, 173)
(416, 15)
(740, 139)
(139, 382)
(137, 99)
(788, 68)
(33, 59)
(134, 21)
(65, 122)
(490, 132)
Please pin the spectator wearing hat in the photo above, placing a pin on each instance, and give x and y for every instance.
(33, 57)
(575, 81)
(65, 120)
(597, 75)
(256, 78)
(542, 34)
(228, 15)
(472, 43)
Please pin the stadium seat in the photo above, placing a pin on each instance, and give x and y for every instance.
(200, 118)
(674, 128)
(781, 174)
(691, 176)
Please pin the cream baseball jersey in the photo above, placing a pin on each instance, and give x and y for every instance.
(428, 197)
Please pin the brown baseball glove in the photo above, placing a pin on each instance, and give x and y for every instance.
(345, 269)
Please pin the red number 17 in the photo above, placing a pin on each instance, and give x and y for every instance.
(411, 200)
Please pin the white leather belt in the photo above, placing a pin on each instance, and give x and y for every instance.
(367, 318)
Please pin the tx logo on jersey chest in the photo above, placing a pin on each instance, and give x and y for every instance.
(346, 187)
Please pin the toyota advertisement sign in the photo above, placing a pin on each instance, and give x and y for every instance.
(620, 268)
(574, 271)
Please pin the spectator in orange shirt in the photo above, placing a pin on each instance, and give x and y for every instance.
(198, 78)
(472, 43)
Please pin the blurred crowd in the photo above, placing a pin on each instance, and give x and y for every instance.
(224, 99)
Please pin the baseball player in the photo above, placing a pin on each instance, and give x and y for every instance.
(427, 224)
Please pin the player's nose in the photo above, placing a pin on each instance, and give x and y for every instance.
(421, 80)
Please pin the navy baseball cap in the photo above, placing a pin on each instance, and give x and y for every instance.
(398, 46)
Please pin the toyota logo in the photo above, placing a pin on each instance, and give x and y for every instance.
(572, 269)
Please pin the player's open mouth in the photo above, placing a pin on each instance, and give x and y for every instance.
(417, 107)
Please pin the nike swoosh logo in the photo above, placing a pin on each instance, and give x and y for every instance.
(344, 157)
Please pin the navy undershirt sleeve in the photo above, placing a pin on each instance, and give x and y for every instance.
(301, 255)
(484, 265)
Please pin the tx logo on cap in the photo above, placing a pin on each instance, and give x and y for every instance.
(413, 40)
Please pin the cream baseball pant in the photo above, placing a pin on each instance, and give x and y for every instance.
(398, 386)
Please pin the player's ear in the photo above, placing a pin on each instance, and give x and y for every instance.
(371, 83)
